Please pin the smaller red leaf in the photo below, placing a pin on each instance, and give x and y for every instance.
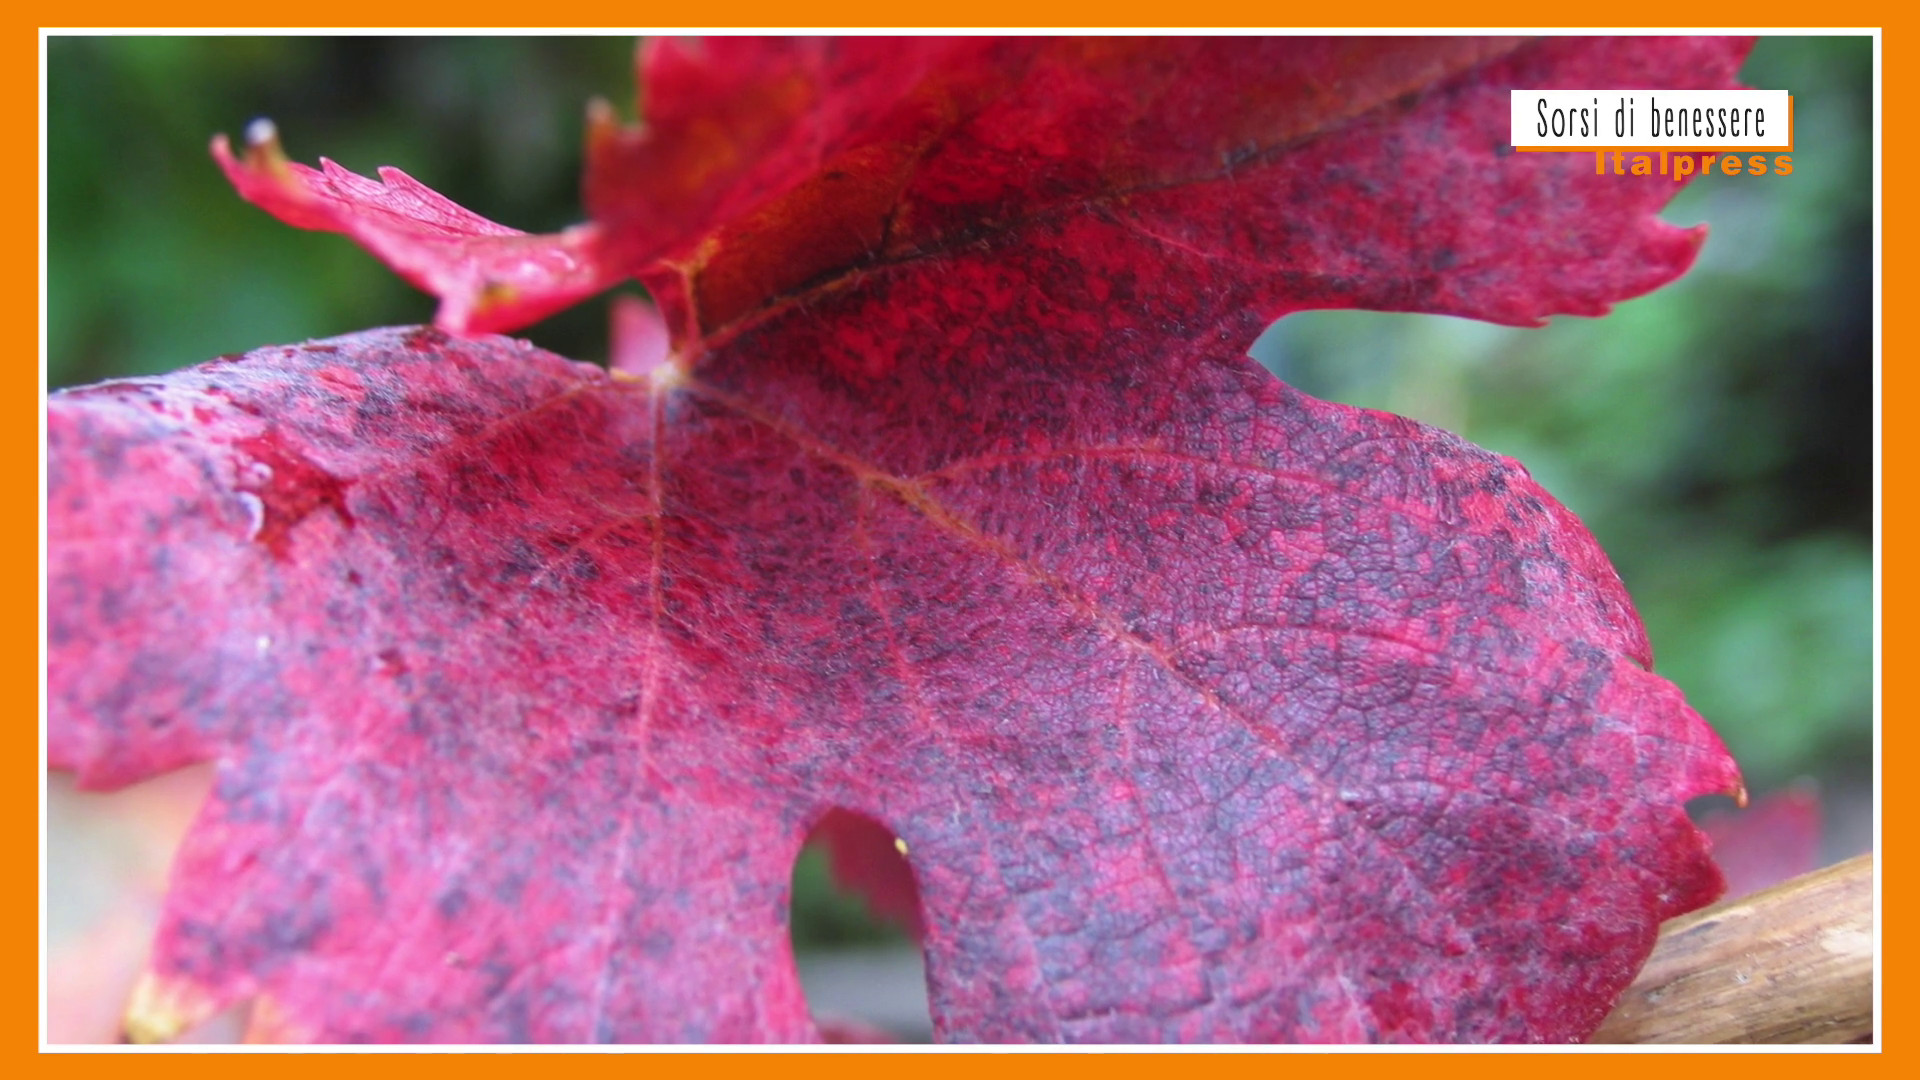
(489, 278)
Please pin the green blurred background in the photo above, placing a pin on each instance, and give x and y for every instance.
(1716, 435)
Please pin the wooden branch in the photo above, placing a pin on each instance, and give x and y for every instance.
(1791, 964)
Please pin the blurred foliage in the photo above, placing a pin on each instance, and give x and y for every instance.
(153, 262)
(1716, 435)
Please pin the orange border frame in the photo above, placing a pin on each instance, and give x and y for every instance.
(23, 664)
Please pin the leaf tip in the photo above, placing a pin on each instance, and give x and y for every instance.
(261, 154)
(161, 1008)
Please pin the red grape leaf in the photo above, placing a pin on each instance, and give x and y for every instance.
(1217, 713)
(1206, 710)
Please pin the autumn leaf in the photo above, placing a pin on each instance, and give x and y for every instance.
(1204, 710)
